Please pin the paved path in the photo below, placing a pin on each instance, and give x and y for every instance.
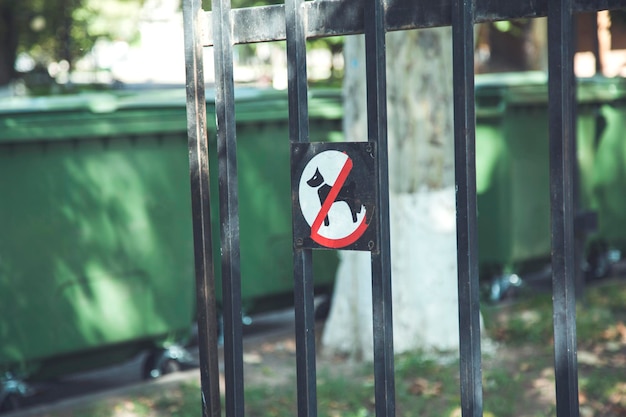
(126, 378)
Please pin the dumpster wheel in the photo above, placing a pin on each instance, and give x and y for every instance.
(9, 403)
(165, 361)
(12, 390)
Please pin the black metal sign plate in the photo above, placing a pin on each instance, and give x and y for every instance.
(334, 195)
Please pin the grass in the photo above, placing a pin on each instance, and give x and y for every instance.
(518, 379)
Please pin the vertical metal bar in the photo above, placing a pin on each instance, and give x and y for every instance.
(580, 214)
(375, 62)
(229, 210)
(561, 109)
(201, 211)
(467, 237)
(302, 258)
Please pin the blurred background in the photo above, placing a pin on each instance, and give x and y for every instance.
(56, 46)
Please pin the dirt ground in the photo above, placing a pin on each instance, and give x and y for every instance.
(272, 362)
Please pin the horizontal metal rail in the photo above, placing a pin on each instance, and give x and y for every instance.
(325, 18)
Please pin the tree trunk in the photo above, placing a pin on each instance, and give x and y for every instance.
(422, 195)
(522, 47)
(8, 42)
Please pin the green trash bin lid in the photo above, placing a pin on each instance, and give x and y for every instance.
(125, 112)
(495, 91)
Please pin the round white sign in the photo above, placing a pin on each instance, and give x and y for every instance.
(329, 201)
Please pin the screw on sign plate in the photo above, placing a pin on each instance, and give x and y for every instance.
(335, 197)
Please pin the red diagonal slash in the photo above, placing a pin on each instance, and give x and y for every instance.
(330, 199)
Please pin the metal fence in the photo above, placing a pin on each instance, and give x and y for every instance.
(295, 22)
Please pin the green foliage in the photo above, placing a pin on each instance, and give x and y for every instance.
(527, 321)
(426, 385)
(66, 30)
(334, 44)
(55, 30)
(530, 319)
(180, 402)
(264, 401)
(514, 27)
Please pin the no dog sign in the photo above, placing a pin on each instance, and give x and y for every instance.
(334, 195)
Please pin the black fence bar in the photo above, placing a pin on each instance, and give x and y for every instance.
(229, 210)
(466, 211)
(303, 258)
(375, 61)
(561, 115)
(345, 17)
(201, 211)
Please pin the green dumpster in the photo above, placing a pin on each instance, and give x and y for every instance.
(607, 181)
(512, 164)
(264, 176)
(95, 259)
(96, 255)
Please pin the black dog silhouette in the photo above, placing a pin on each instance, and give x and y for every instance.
(346, 194)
